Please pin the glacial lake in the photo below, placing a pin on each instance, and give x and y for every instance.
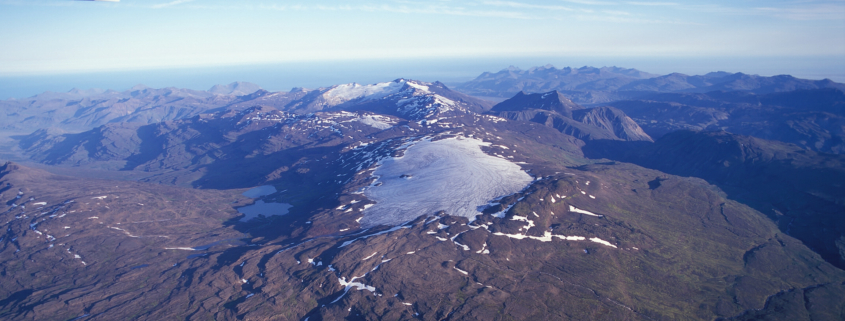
(259, 191)
(260, 207)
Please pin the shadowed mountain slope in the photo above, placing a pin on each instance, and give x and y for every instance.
(800, 190)
(813, 119)
(554, 110)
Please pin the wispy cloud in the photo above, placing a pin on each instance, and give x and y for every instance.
(813, 12)
(808, 10)
(636, 3)
(170, 4)
(36, 3)
(448, 10)
(437, 9)
(622, 18)
(591, 2)
(616, 12)
(636, 11)
(522, 5)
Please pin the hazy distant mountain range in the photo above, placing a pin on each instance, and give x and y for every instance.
(590, 85)
(693, 198)
(79, 110)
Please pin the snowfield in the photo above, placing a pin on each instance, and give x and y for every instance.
(346, 92)
(376, 121)
(452, 175)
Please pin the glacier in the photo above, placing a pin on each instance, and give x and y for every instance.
(452, 175)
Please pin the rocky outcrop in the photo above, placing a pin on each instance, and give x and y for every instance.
(553, 109)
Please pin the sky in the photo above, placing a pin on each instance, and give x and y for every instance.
(53, 37)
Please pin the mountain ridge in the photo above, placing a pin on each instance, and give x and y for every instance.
(590, 85)
(554, 110)
(812, 119)
(800, 190)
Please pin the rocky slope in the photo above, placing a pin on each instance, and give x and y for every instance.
(249, 147)
(604, 240)
(403, 202)
(813, 119)
(554, 110)
(802, 191)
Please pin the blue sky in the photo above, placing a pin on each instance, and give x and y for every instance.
(61, 36)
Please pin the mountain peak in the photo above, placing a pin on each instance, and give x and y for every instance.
(552, 101)
(237, 88)
(85, 92)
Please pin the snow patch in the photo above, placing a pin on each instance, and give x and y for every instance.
(603, 242)
(576, 210)
(452, 175)
(357, 285)
(376, 121)
(371, 255)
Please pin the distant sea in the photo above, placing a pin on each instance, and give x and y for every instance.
(284, 76)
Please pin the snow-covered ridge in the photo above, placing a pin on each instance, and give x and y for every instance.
(413, 99)
(342, 93)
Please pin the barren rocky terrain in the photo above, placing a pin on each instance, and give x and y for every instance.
(404, 200)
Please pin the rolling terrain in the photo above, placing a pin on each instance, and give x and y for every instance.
(407, 200)
(81, 110)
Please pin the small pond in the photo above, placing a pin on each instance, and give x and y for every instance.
(260, 207)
